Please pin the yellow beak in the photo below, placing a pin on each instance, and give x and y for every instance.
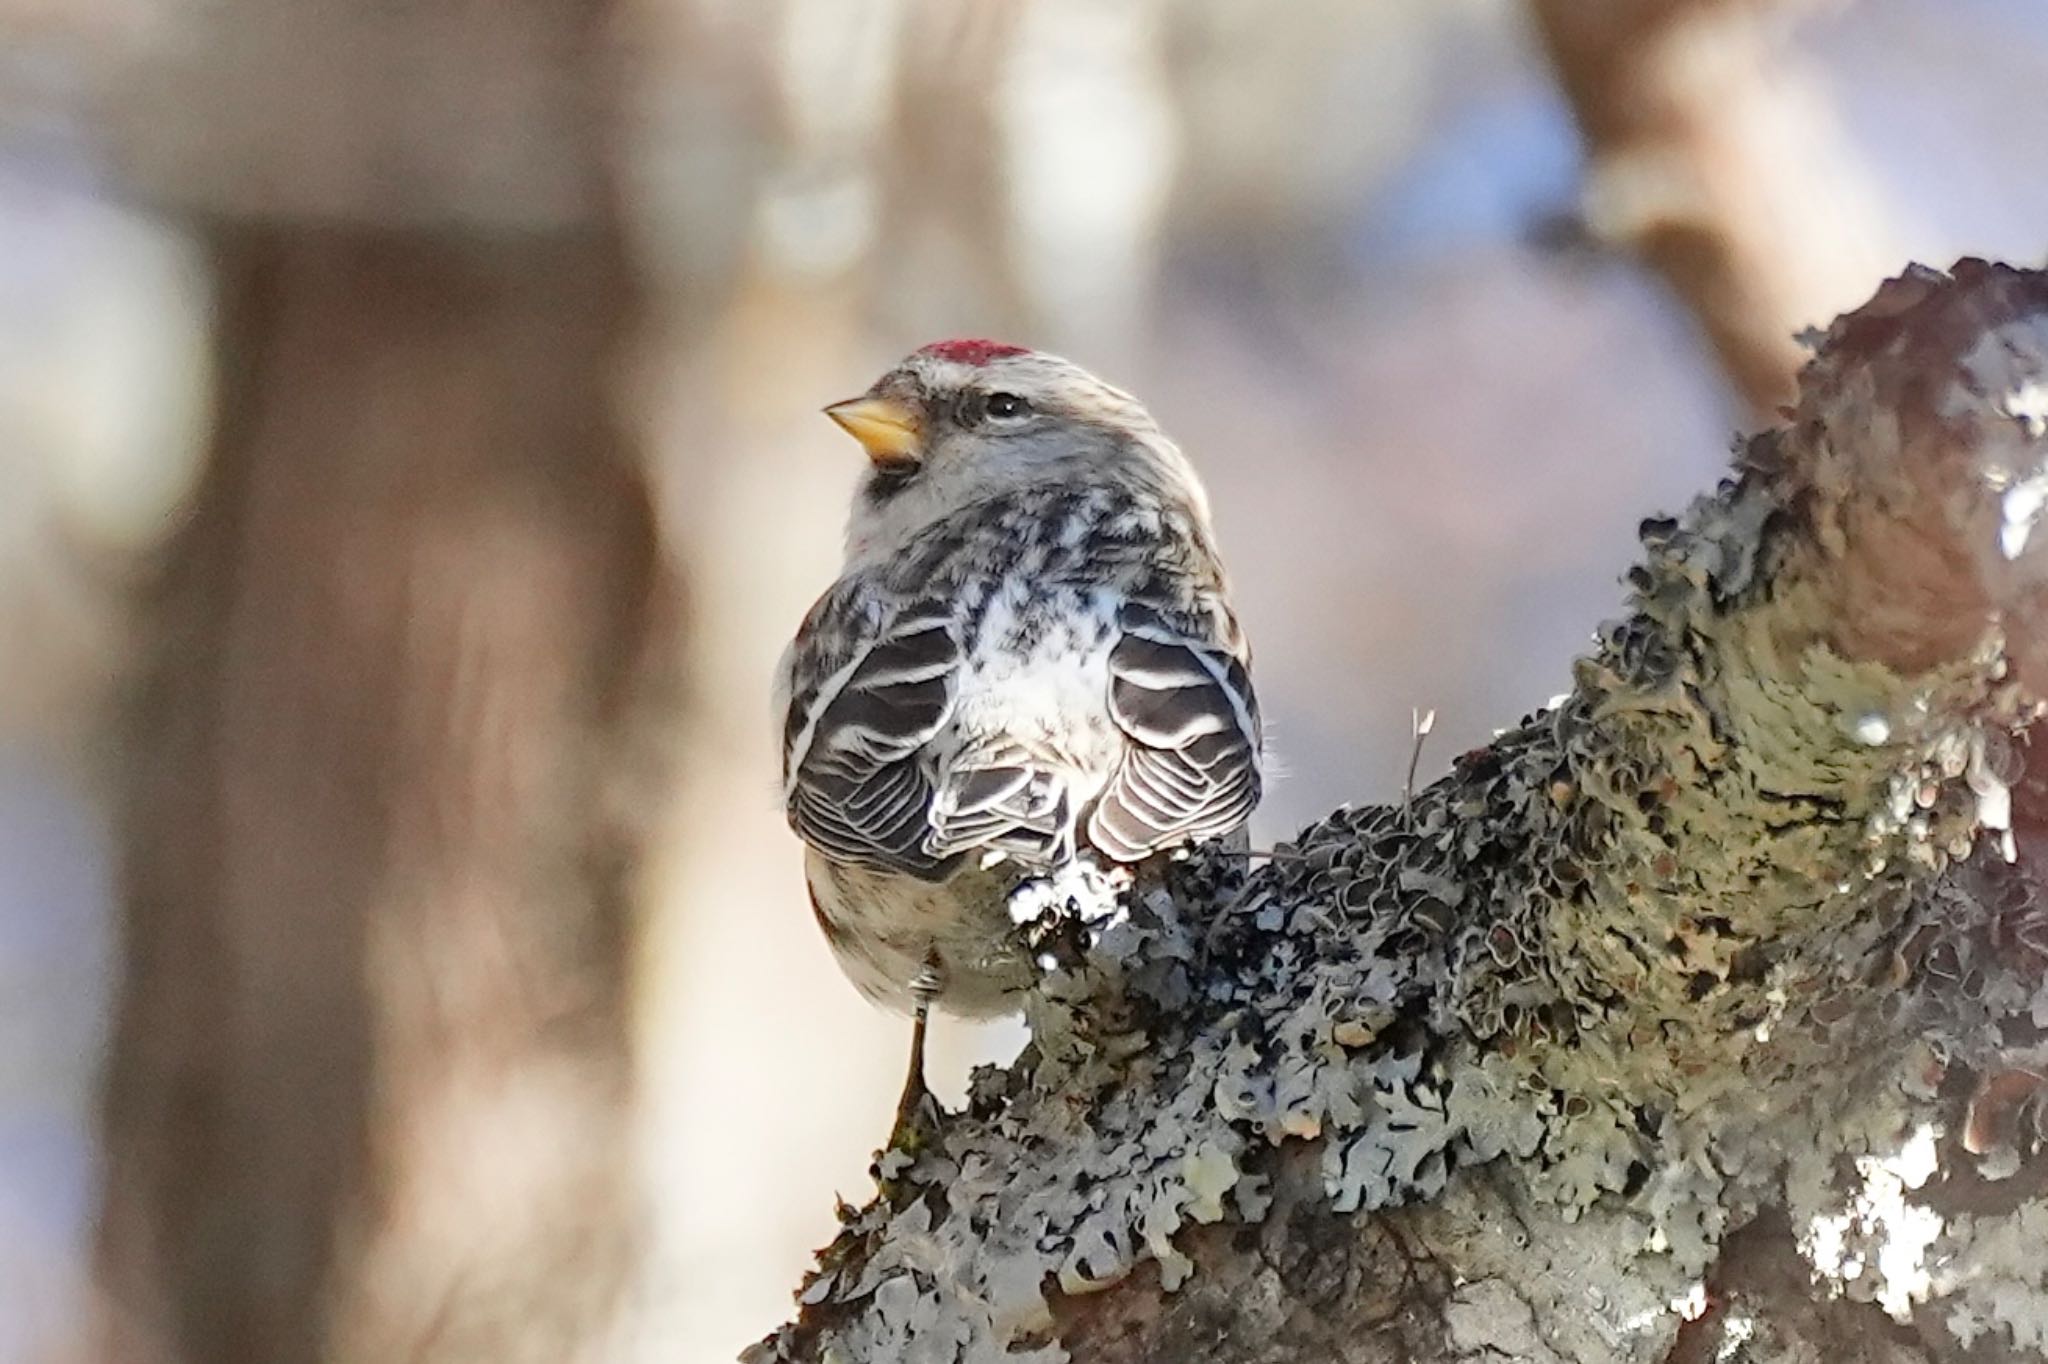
(885, 428)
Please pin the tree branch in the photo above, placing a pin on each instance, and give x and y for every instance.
(1712, 158)
(1677, 983)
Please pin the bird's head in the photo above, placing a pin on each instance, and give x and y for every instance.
(961, 421)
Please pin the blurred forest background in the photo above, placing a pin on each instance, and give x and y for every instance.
(410, 468)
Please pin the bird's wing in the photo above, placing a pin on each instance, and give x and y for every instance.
(1000, 795)
(1181, 691)
(867, 692)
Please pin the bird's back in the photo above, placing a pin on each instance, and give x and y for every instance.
(959, 696)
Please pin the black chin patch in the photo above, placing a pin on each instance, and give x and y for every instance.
(887, 482)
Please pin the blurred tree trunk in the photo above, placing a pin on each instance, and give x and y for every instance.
(370, 1091)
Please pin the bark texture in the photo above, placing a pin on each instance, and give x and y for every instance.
(370, 1091)
(1698, 1017)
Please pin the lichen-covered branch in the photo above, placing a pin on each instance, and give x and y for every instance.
(1697, 1017)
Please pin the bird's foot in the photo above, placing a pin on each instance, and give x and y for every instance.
(920, 1126)
(920, 1121)
(919, 1118)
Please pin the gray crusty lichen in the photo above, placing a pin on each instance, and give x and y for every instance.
(1733, 927)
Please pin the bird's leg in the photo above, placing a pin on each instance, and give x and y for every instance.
(917, 1105)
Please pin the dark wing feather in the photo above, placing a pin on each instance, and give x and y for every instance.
(864, 702)
(1182, 695)
(1000, 796)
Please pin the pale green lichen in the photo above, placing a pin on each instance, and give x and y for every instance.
(1994, 1270)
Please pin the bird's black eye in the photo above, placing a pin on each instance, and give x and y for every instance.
(1005, 407)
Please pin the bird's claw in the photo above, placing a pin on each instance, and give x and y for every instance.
(920, 1125)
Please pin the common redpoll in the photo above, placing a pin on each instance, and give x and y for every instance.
(1029, 663)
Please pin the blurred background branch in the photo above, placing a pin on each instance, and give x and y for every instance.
(1711, 155)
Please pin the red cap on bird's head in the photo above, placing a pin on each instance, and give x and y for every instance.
(971, 351)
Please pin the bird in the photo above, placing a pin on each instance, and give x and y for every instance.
(1028, 664)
